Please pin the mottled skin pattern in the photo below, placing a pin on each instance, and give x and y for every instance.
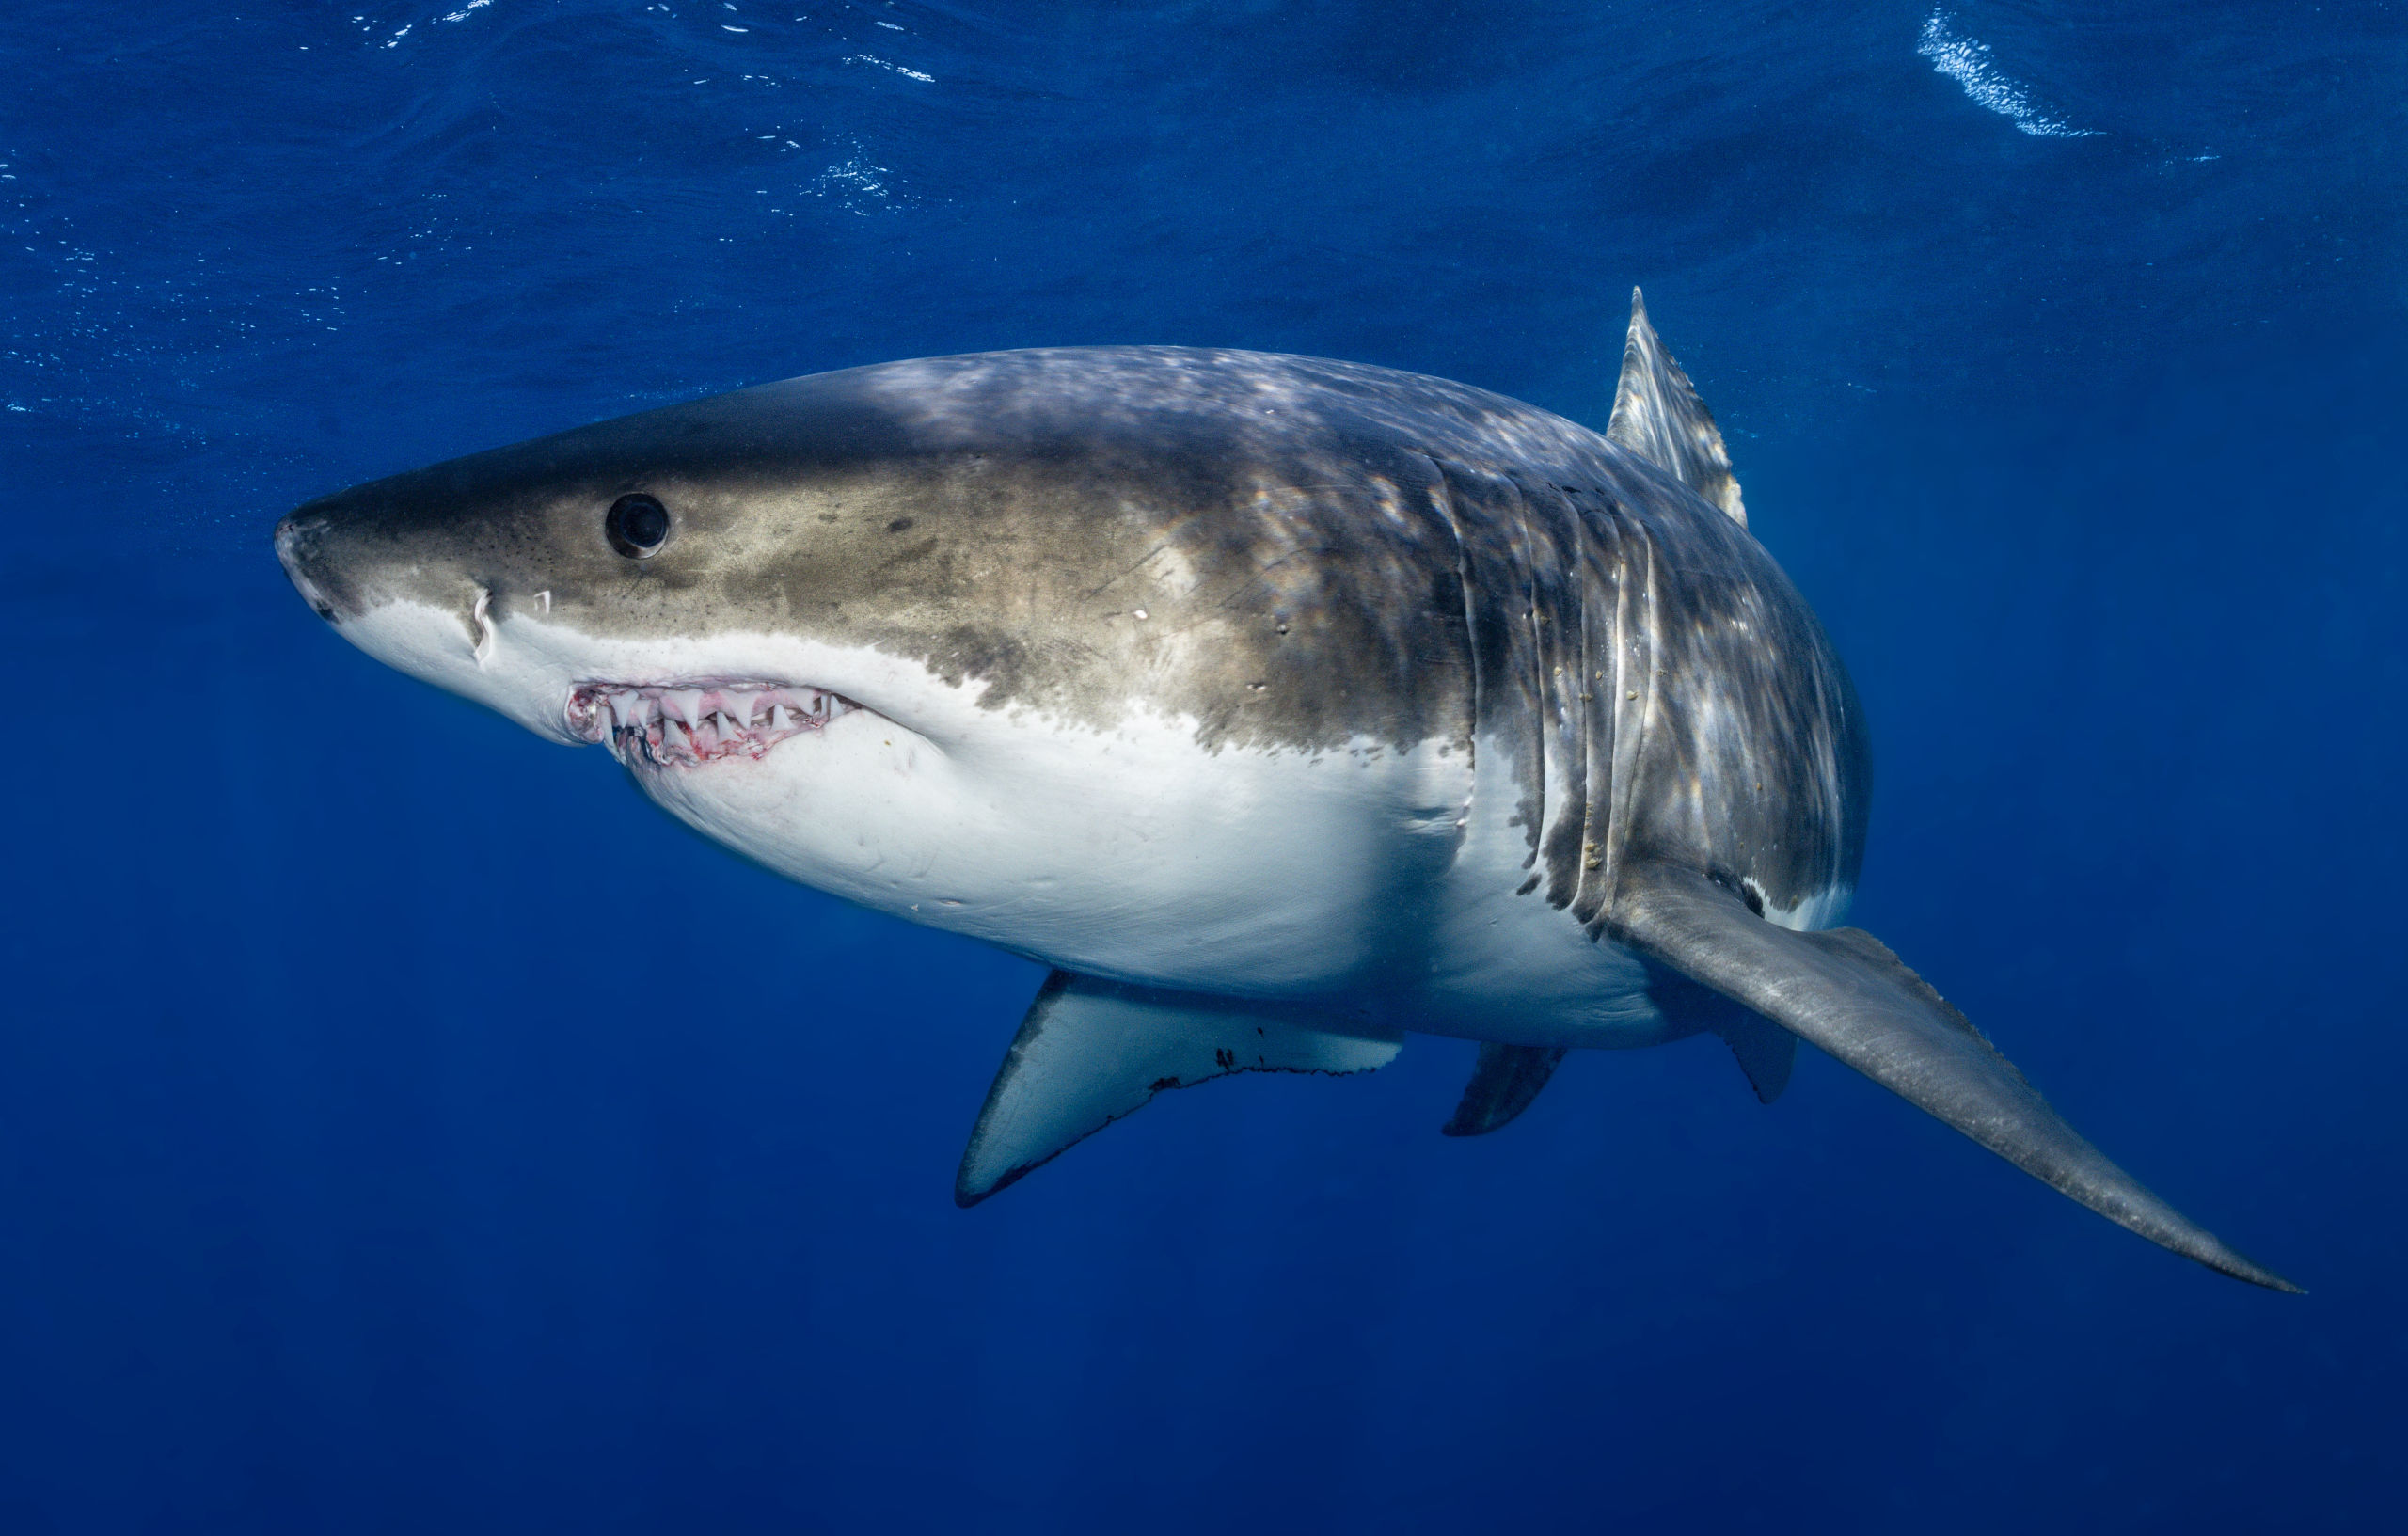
(1330, 553)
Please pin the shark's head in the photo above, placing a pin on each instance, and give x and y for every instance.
(941, 637)
(691, 586)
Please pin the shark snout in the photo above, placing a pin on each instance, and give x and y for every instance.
(298, 540)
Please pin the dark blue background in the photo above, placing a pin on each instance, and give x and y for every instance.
(402, 1127)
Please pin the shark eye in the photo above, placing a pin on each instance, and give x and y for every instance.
(637, 526)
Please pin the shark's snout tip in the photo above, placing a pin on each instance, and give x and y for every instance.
(297, 539)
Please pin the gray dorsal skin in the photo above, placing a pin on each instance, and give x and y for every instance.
(1505, 1081)
(1659, 416)
(1843, 990)
(1091, 1052)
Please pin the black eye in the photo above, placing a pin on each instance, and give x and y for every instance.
(637, 526)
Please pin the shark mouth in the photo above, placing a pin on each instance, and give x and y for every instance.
(687, 724)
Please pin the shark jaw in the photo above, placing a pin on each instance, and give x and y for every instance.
(687, 723)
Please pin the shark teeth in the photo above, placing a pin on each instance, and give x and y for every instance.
(683, 724)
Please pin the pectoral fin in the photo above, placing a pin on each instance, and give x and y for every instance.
(1090, 1051)
(1843, 991)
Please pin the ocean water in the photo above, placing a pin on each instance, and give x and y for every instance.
(405, 1128)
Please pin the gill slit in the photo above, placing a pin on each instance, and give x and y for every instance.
(1596, 797)
(482, 614)
(1526, 555)
(1634, 701)
(1443, 498)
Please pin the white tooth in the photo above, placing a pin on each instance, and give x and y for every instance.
(686, 703)
(739, 708)
(625, 711)
(777, 716)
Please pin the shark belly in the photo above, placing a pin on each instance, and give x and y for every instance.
(1133, 853)
(1371, 881)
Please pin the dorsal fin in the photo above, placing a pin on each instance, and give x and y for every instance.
(1658, 416)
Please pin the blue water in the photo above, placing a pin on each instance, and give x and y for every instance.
(404, 1128)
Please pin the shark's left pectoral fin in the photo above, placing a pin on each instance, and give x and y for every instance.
(1090, 1051)
(1843, 990)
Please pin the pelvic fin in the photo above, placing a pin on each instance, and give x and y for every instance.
(1503, 1083)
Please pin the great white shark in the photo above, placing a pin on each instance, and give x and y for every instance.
(1282, 706)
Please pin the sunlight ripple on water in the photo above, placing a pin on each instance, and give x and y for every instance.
(1967, 63)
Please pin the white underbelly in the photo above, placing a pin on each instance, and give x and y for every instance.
(1135, 854)
(1359, 874)
(1131, 853)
